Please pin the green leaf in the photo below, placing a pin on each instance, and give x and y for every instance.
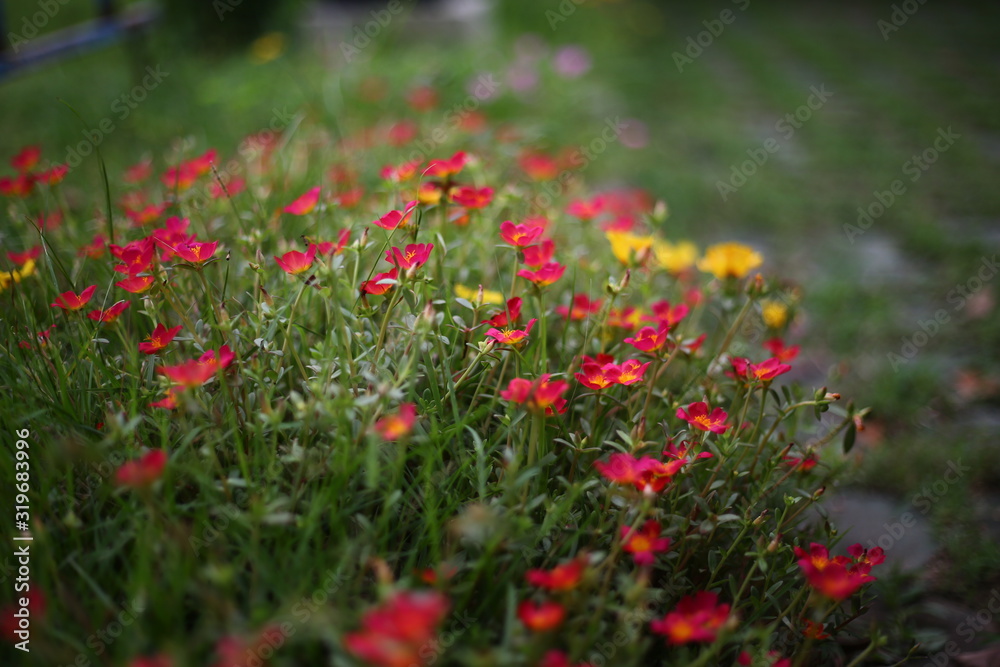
(849, 436)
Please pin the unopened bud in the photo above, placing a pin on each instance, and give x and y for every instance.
(639, 431)
(759, 520)
(480, 297)
(774, 544)
(819, 492)
(660, 211)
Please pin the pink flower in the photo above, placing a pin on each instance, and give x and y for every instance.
(413, 256)
(304, 204)
(697, 415)
(519, 236)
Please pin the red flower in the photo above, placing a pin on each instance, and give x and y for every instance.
(72, 301)
(196, 252)
(109, 315)
(668, 316)
(470, 196)
(51, 221)
(422, 98)
(675, 452)
(294, 262)
(776, 347)
(644, 544)
(519, 236)
(629, 372)
(402, 133)
(559, 659)
(137, 256)
(837, 578)
(143, 471)
(158, 339)
(380, 282)
(231, 187)
(804, 464)
(53, 175)
(648, 339)
(394, 219)
(399, 425)
(511, 336)
(173, 233)
(697, 415)
(94, 249)
(136, 284)
(508, 315)
(593, 376)
(763, 372)
(169, 401)
(814, 630)
(326, 247)
(196, 372)
(138, 172)
(538, 166)
(865, 558)
(546, 275)
(563, 577)
(696, 618)
(394, 634)
(538, 395)
(20, 258)
(180, 177)
(446, 168)
(537, 255)
(646, 474)
(403, 172)
(147, 214)
(582, 308)
(26, 160)
(414, 256)
(542, 616)
(586, 210)
(19, 186)
(304, 204)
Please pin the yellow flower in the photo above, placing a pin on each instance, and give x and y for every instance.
(774, 314)
(15, 276)
(470, 294)
(730, 260)
(629, 248)
(429, 194)
(267, 47)
(675, 258)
